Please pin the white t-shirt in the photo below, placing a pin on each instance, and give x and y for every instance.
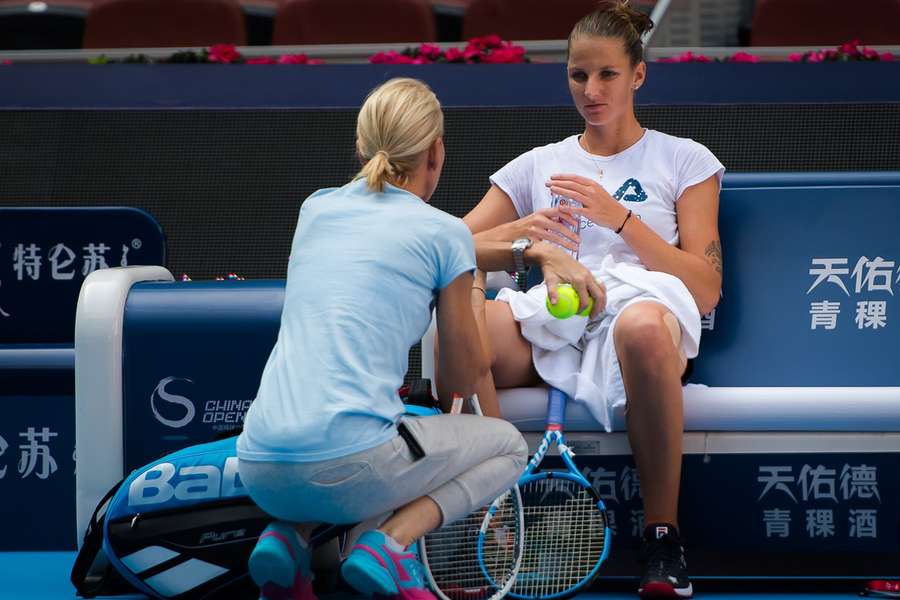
(648, 177)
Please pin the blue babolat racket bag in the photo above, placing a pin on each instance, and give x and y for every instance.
(180, 527)
(183, 526)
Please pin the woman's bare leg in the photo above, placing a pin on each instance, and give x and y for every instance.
(510, 353)
(651, 371)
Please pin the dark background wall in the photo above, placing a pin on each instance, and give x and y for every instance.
(226, 185)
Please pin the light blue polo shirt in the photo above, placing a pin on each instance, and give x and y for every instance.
(363, 271)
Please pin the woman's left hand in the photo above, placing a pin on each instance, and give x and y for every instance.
(598, 206)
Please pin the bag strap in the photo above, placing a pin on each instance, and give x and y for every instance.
(90, 578)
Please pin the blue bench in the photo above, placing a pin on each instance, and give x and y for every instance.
(792, 418)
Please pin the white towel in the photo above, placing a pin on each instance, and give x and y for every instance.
(578, 355)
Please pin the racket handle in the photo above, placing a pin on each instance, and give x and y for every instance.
(556, 407)
(476, 405)
(457, 405)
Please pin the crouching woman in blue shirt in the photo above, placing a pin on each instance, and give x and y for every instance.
(321, 442)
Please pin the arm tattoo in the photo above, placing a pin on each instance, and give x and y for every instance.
(713, 254)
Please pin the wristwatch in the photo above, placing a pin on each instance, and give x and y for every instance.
(519, 247)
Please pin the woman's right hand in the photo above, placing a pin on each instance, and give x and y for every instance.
(559, 267)
(546, 224)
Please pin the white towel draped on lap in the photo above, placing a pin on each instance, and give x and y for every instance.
(578, 356)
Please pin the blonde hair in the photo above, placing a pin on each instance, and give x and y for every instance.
(398, 122)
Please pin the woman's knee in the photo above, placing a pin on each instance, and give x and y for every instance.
(511, 362)
(642, 335)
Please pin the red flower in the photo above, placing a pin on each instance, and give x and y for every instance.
(492, 41)
(886, 56)
(293, 59)
(261, 60)
(509, 54)
(486, 42)
(686, 57)
(224, 53)
(795, 57)
(850, 48)
(454, 55)
(869, 54)
(391, 58)
(430, 51)
(6, 62)
(744, 57)
(470, 53)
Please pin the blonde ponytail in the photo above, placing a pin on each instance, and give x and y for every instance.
(398, 122)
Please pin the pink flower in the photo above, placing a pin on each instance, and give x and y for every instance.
(454, 55)
(430, 51)
(391, 58)
(815, 57)
(509, 54)
(851, 48)
(485, 42)
(492, 41)
(6, 62)
(886, 56)
(795, 57)
(869, 54)
(470, 53)
(293, 59)
(223, 53)
(744, 57)
(261, 60)
(686, 57)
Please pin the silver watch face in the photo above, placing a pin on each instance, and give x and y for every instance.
(521, 244)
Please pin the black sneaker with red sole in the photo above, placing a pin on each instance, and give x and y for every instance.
(663, 564)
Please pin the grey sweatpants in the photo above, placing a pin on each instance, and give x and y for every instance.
(469, 460)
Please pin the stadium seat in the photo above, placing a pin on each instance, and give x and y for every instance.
(50, 25)
(354, 21)
(164, 23)
(259, 16)
(524, 19)
(827, 22)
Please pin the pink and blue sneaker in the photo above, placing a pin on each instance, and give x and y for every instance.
(280, 565)
(377, 567)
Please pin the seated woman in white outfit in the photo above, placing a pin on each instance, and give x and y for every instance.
(648, 253)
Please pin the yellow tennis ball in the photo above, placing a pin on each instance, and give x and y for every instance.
(567, 303)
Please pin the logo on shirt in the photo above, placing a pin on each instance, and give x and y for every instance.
(631, 191)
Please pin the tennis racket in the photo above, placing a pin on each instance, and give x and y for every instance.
(566, 530)
(478, 556)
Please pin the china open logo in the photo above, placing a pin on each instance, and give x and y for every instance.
(160, 394)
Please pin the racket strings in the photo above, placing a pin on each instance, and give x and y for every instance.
(451, 553)
(564, 537)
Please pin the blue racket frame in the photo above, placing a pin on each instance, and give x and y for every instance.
(556, 416)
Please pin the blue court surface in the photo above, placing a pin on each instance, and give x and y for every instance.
(45, 576)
